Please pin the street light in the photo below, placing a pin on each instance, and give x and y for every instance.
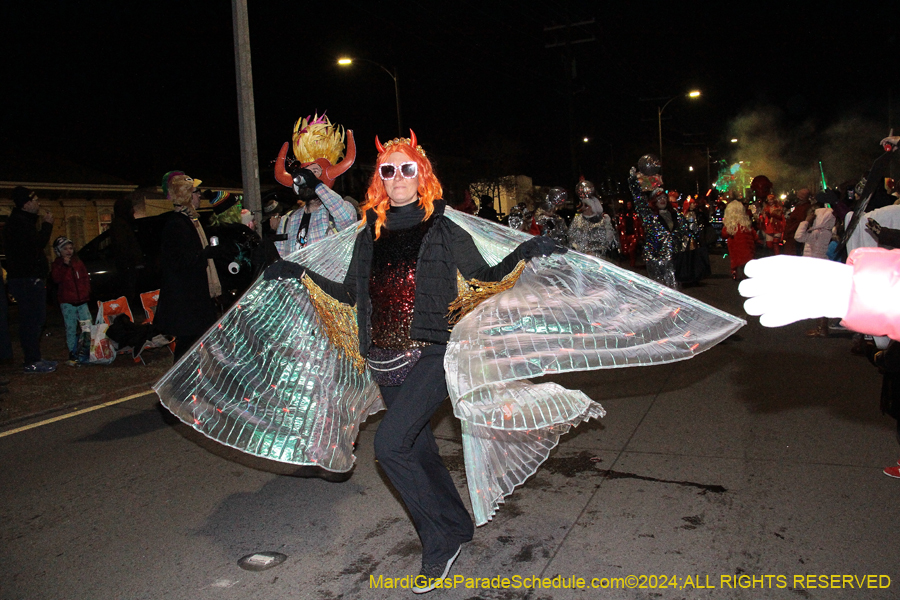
(347, 61)
(691, 94)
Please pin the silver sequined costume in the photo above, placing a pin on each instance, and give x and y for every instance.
(594, 238)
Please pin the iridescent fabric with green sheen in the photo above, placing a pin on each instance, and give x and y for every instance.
(264, 380)
(267, 381)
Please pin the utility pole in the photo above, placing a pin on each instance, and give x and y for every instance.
(570, 73)
(246, 112)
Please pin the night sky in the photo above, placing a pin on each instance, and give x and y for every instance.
(136, 89)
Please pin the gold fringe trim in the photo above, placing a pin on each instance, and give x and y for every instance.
(473, 292)
(338, 320)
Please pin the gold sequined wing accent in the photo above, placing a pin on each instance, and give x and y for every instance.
(338, 320)
(473, 292)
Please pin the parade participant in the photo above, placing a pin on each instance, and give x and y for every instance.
(631, 231)
(551, 224)
(318, 146)
(740, 236)
(663, 225)
(591, 231)
(189, 278)
(291, 372)
(772, 223)
(27, 272)
(403, 330)
(692, 259)
(516, 217)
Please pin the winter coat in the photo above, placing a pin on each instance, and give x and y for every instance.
(184, 307)
(817, 236)
(24, 244)
(445, 249)
(73, 281)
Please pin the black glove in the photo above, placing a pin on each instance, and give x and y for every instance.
(305, 178)
(283, 269)
(873, 226)
(540, 245)
(212, 252)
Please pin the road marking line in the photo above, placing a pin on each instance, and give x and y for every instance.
(75, 414)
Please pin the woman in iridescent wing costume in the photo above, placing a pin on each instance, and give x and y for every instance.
(402, 278)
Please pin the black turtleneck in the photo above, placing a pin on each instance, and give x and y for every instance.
(404, 217)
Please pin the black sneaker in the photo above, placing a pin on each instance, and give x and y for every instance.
(39, 367)
(427, 578)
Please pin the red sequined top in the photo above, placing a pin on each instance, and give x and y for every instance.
(392, 285)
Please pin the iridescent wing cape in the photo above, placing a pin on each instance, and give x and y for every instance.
(267, 381)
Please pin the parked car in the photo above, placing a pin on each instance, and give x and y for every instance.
(235, 269)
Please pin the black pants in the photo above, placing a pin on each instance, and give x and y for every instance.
(406, 450)
(31, 297)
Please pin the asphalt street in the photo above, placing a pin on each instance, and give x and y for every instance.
(750, 471)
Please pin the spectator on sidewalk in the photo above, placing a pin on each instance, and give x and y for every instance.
(126, 249)
(27, 271)
(73, 294)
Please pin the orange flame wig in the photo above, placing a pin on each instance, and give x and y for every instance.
(429, 187)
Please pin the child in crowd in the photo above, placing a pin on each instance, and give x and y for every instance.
(74, 292)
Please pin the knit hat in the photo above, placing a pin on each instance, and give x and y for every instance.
(21, 195)
(59, 243)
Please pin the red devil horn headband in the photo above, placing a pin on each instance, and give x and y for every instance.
(410, 141)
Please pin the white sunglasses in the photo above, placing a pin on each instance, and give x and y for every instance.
(408, 170)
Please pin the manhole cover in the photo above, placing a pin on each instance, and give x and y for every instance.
(260, 561)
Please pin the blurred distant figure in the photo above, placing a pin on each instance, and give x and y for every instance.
(127, 251)
(631, 232)
(552, 225)
(6, 355)
(467, 205)
(772, 222)
(487, 210)
(793, 220)
(815, 235)
(27, 233)
(740, 236)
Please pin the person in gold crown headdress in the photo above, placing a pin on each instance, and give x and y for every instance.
(318, 145)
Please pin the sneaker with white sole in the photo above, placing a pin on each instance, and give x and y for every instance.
(893, 472)
(428, 577)
(39, 367)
